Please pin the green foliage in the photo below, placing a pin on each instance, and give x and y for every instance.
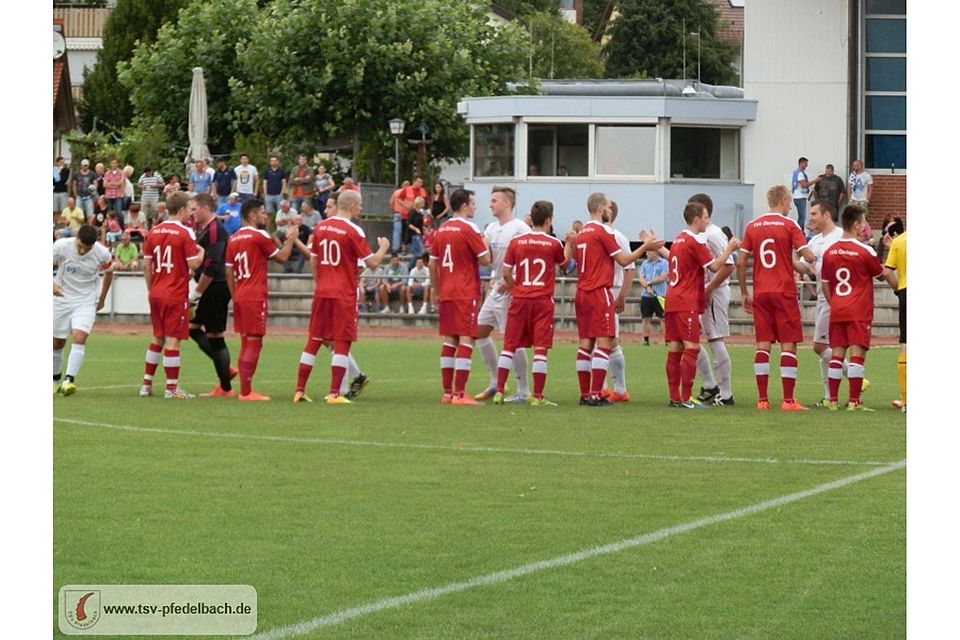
(258, 147)
(132, 25)
(592, 11)
(524, 8)
(158, 78)
(647, 40)
(561, 49)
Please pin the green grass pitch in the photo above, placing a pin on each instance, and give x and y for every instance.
(326, 508)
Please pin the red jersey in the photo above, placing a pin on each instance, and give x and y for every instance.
(248, 252)
(534, 257)
(849, 267)
(688, 257)
(338, 245)
(166, 250)
(457, 247)
(595, 247)
(773, 238)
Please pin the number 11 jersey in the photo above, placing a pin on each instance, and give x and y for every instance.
(248, 252)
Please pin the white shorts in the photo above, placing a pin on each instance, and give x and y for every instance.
(493, 313)
(616, 317)
(715, 321)
(72, 316)
(821, 330)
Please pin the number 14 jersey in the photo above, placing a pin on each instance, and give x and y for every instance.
(166, 250)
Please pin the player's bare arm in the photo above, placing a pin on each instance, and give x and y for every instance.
(662, 250)
(890, 277)
(287, 248)
(57, 290)
(195, 262)
(745, 299)
(507, 279)
(806, 254)
(383, 245)
(432, 266)
(228, 274)
(105, 287)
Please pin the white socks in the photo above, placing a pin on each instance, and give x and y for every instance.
(705, 370)
(57, 362)
(75, 360)
(722, 367)
(618, 370)
(488, 352)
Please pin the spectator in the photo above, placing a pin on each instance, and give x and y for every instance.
(284, 213)
(406, 199)
(399, 207)
(126, 255)
(70, 219)
(173, 185)
(201, 179)
(309, 216)
(301, 177)
(429, 229)
(859, 186)
(100, 208)
(890, 230)
(100, 172)
(323, 186)
(571, 269)
(150, 186)
(394, 284)
(113, 182)
(247, 179)
(111, 228)
(128, 194)
(348, 185)
(135, 223)
(800, 183)
(413, 230)
(370, 284)
(295, 226)
(83, 186)
(61, 185)
(229, 214)
(159, 214)
(418, 286)
(274, 185)
(654, 272)
(440, 209)
(222, 181)
(830, 187)
(866, 234)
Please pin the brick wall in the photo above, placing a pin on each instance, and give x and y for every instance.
(889, 198)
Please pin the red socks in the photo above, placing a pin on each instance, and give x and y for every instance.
(447, 362)
(673, 374)
(788, 374)
(761, 369)
(462, 368)
(583, 372)
(688, 371)
(247, 363)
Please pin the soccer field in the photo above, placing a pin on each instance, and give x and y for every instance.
(399, 517)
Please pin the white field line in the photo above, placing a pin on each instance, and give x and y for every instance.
(301, 628)
(467, 449)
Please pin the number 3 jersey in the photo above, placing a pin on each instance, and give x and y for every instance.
(534, 258)
(166, 251)
(248, 252)
(771, 240)
(849, 267)
(688, 257)
(338, 246)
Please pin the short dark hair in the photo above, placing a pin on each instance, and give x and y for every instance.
(250, 206)
(87, 234)
(540, 212)
(829, 166)
(705, 200)
(692, 211)
(826, 205)
(459, 198)
(147, 169)
(394, 254)
(850, 216)
(176, 201)
(896, 227)
(802, 159)
(205, 200)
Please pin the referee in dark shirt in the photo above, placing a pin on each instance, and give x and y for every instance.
(211, 293)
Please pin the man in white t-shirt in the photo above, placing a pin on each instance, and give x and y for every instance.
(715, 320)
(418, 286)
(79, 262)
(493, 313)
(859, 186)
(247, 179)
(800, 183)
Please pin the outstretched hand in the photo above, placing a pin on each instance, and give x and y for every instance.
(383, 243)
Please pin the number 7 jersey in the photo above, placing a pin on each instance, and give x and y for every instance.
(771, 240)
(534, 257)
(166, 250)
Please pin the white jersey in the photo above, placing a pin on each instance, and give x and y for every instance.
(78, 275)
(499, 237)
(419, 277)
(617, 269)
(716, 241)
(819, 245)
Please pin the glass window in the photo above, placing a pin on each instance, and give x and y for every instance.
(886, 74)
(557, 149)
(886, 112)
(890, 7)
(886, 36)
(886, 151)
(626, 151)
(704, 154)
(493, 150)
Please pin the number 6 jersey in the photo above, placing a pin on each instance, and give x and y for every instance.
(849, 268)
(771, 240)
(165, 252)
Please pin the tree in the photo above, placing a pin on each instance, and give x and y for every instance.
(323, 69)
(647, 40)
(524, 8)
(132, 24)
(561, 49)
(158, 78)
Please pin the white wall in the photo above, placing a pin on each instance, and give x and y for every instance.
(796, 66)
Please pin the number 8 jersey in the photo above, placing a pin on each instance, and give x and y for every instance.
(849, 268)
(771, 240)
(166, 251)
(338, 246)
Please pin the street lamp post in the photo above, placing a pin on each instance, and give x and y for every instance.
(396, 128)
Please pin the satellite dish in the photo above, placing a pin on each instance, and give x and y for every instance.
(59, 45)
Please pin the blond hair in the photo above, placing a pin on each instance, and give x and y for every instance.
(777, 194)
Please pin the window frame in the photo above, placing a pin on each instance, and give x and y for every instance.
(866, 133)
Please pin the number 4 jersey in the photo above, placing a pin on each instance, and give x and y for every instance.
(771, 239)
(849, 268)
(248, 252)
(534, 257)
(166, 251)
(338, 246)
(457, 247)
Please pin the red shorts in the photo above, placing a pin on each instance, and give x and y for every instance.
(776, 318)
(170, 319)
(333, 319)
(250, 318)
(529, 323)
(853, 332)
(596, 313)
(459, 318)
(681, 326)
